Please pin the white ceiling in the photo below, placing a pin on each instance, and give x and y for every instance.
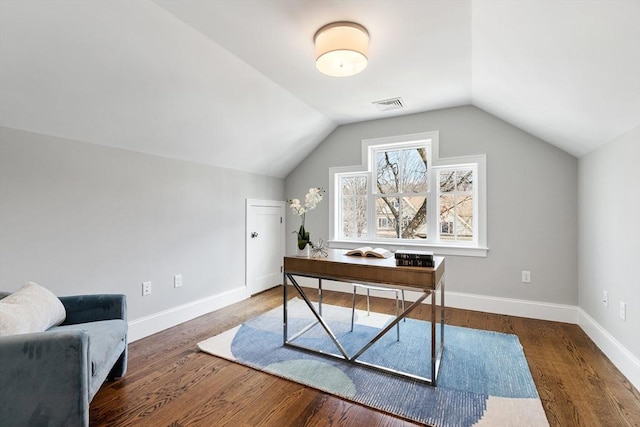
(233, 83)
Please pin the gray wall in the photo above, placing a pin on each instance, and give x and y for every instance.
(532, 200)
(609, 205)
(81, 218)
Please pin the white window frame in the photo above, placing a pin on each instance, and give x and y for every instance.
(335, 215)
(477, 247)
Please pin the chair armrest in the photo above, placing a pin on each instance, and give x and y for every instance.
(91, 308)
(44, 378)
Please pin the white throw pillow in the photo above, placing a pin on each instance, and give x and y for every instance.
(31, 309)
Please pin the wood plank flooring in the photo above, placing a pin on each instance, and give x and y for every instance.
(170, 383)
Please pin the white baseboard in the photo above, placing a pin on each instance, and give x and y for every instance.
(487, 304)
(622, 358)
(513, 307)
(148, 325)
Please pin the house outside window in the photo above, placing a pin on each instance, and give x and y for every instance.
(405, 196)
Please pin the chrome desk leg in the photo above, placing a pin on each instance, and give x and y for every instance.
(325, 326)
(442, 316)
(353, 308)
(284, 311)
(320, 296)
(397, 314)
(433, 337)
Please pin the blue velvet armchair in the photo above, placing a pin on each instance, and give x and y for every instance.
(49, 378)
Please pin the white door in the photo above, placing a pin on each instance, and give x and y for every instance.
(265, 244)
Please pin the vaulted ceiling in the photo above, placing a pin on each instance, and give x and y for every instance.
(233, 83)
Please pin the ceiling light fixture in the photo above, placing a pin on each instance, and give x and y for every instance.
(341, 49)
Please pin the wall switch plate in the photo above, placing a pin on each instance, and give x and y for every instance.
(605, 298)
(526, 276)
(623, 311)
(177, 280)
(146, 288)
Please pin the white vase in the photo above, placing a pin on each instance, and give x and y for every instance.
(304, 252)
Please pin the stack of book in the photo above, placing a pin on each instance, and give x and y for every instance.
(411, 258)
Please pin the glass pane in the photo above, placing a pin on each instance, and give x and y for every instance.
(465, 180)
(415, 171)
(402, 171)
(354, 185)
(447, 181)
(348, 186)
(348, 210)
(413, 214)
(387, 210)
(354, 206)
(464, 217)
(354, 217)
(388, 170)
(447, 218)
(361, 185)
(361, 216)
(404, 218)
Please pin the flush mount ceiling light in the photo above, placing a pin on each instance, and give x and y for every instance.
(341, 49)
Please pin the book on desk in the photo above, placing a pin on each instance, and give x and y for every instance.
(414, 258)
(370, 252)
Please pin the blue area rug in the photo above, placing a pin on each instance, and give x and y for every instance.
(484, 378)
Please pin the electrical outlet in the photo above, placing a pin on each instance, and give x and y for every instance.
(146, 288)
(623, 311)
(177, 280)
(605, 298)
(526, 276)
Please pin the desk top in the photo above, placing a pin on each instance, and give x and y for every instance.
(339, 266)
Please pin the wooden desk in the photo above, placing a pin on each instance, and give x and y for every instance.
(366, 270)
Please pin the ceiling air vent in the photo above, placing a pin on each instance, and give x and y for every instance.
(389, 104)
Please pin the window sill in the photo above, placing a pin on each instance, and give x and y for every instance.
(437, 248)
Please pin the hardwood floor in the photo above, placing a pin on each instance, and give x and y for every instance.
(170, 383)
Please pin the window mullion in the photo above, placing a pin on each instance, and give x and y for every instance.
(433, 231)
(371, 205)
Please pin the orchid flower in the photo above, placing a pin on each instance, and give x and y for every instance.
(311, 200)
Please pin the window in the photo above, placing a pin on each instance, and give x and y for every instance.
(406, 196)
(353, 206)
(456, 203)
(401, 190)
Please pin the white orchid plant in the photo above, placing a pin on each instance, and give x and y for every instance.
(311, 200)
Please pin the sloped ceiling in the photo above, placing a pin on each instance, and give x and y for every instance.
(233, 83)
